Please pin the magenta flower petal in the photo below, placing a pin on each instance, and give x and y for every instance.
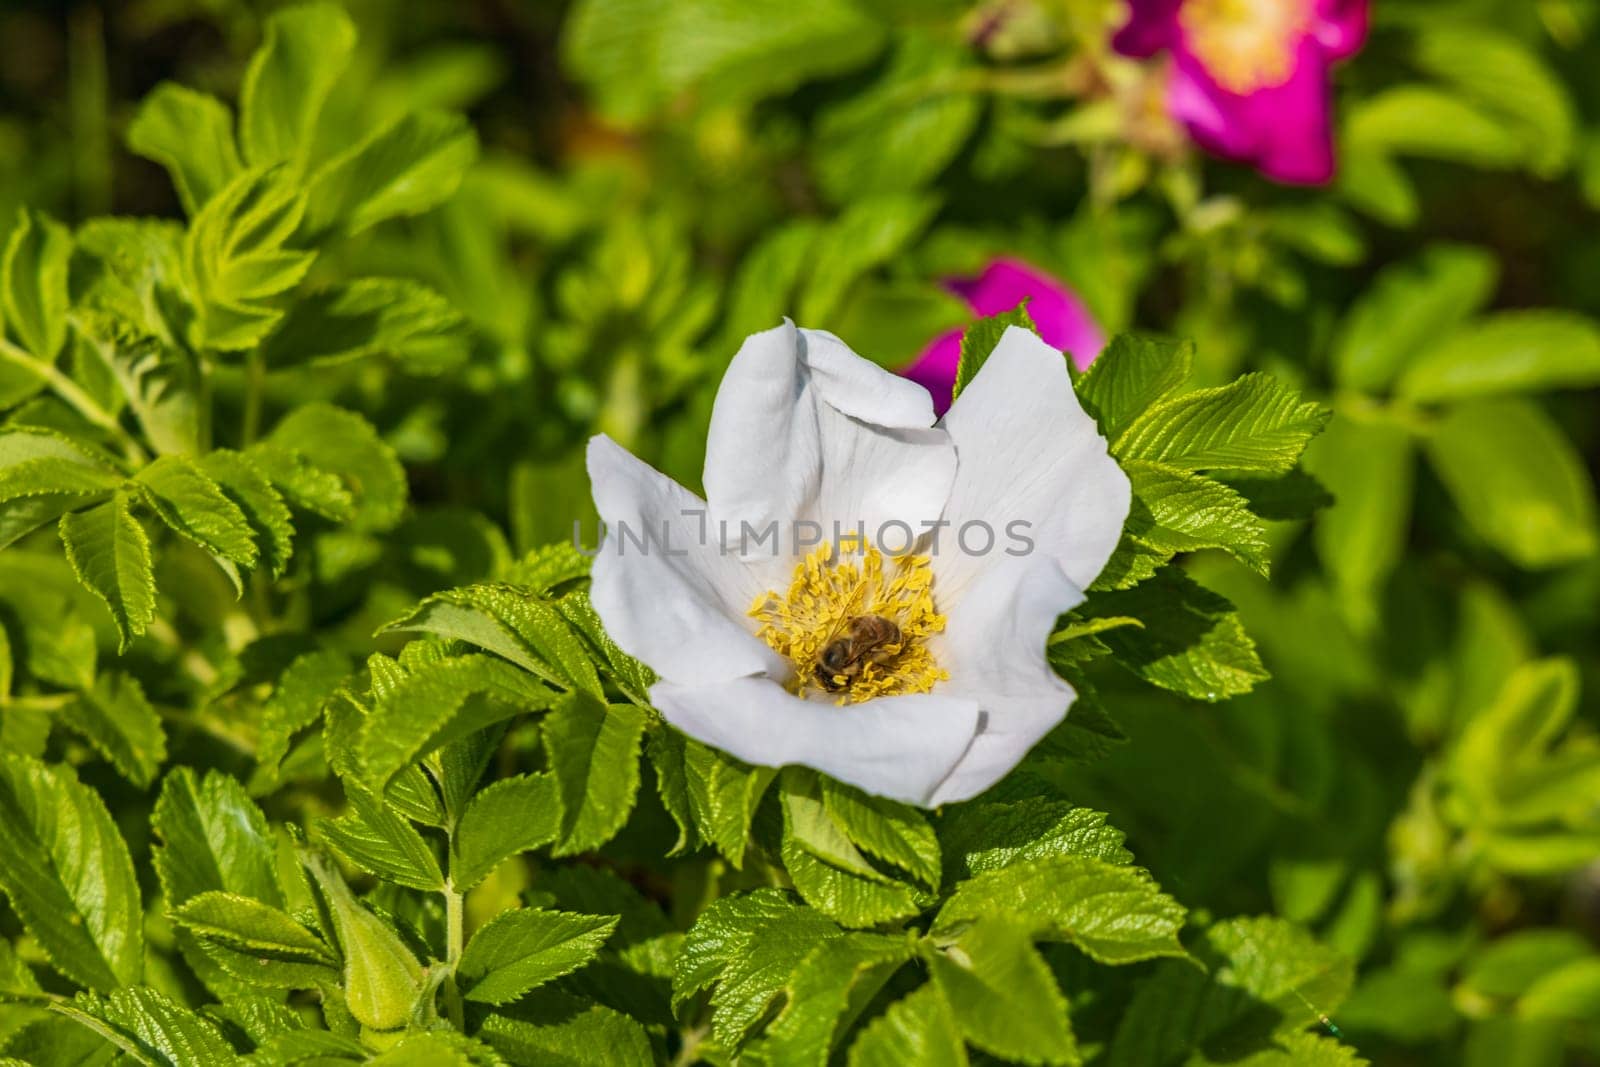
(1152, 26)
(1341, 26)
(1285, 130)
(1063, 321)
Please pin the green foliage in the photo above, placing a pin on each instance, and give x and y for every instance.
(313, 747)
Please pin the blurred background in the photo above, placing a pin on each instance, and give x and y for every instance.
(1419, 780)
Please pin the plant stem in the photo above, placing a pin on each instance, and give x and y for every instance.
(255, 385)
(81, 402)
(454, 930)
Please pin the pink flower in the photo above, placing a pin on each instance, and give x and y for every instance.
(1250, 77)
(1062, 320)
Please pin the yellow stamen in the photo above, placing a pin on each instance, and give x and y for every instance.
(838, 583)
(1246, 44)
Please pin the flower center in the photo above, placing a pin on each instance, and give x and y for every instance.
(854, 624)
(1245, 44)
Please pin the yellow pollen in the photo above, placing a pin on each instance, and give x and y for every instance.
(837, 584)
(1246, 44)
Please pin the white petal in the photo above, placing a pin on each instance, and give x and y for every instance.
(994, 648)
(899, 747)
(803, 428)
(665, 591)
(1029, 455)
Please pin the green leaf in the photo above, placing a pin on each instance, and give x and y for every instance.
(1517, 479)
(33, 283)
(345, 444)
(723, 795)
(392, 317)
(161, 382)
(68, 875)
(196, 507)
(1421, 120)
(901, 131)
(1406, 309)
(409, 167)
(867, 234)
(110, 554)
(302, 485)
(513, 622)
(1113, 912)
(513, 815)
(43, 475)
(1515, 732)
(1267, 979)
(257, 943)
(560, 1030)
(1191, 642)
(851, 898)
(235, 261)
(637, 58)
(378, 840)
(593, 750)
(1367, 463)
(150, 1028)
(980, 339)
(191, 135)
(1251, 424)
(521, 949)
(304, 687)
(288, 80)
(1178, 511)
(212, 837)
(243, 483)
(1507, 80)
(892, 832)
(827, 991)
(1134, 372)
(1571, 993)
(629, 675)
(438, 703)
(982, 837)
(1002, 996)
(117, 719)
(1511, 351)
(918, 1028)
(381, 979)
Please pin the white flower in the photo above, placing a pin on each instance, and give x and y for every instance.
(805, 435)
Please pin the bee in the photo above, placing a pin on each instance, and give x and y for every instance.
(872, 639)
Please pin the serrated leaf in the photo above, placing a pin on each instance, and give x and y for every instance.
(257, 943)
(150, 1027)
(1134, 372)
(160, 380)
(191, 135)
(116, 718)
(1191, 642)
(808, 824)
(892, 832)
(918, 1028)
(629, 674)
(852, 899)
(263, 508)
(552, 1027)
(305, 686)
(110, 554)
(521, 949)
(1251, 424)
(43, 475)
(67, 872)
(1518, 480)
(345, 444)
(1002, 996)
(303, 485)
(194, 506)
(235, 261)
(830, 987)
(392, 317)
(1179, 511)
(33, 284)
(410, 166)
(304, 51)
(989, 836)
(593, 751)
(438, 703)
(212, 837)
(1113, 912)
(723, 795)
(980, 339)
(513, 815)
(380, 841)
(381, 978)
